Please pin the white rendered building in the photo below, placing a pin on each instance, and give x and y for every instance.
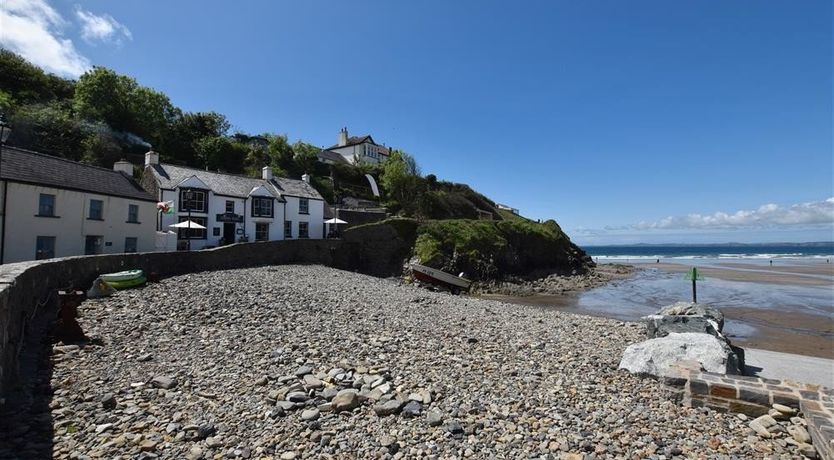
(53, 207)
(233, 208)
(354, 150)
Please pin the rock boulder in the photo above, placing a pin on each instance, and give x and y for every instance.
(657, 356)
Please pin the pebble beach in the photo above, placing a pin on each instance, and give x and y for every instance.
(293, 362)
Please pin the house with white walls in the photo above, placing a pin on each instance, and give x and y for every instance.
(53, 207)
(354, 150)
(233, 208)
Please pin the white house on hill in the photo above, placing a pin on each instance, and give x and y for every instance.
(354, 150)
(233, 208)
(53, 207)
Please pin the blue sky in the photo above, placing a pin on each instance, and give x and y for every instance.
(643, 121)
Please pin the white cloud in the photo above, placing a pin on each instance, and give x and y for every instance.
(101, 28)
(34, 29)
(768, 216)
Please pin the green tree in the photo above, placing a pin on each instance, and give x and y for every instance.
(49, 128)
(281, 154)
(26, 83)
(305, 157)
(402, 184)
(186, 129)
(221, 153)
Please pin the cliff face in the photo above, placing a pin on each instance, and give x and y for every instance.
(482, 250)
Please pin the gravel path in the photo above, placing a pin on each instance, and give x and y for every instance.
(208, 366)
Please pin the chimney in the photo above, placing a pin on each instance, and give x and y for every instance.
(343, 136)
(266, 173)
(306, 178)
(124, 167)
(151, 158)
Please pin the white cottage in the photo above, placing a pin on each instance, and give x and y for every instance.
(53, 207)
(354, 150)
(233, 208)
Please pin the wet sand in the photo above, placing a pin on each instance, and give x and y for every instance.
(804, 275)
(789, 308)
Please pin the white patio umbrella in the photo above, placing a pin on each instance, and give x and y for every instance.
(335, 220)
(188, 224)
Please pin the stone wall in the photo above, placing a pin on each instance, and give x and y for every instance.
(27, 287)
(755, 396)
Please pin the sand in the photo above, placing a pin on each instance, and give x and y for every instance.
(803, 275)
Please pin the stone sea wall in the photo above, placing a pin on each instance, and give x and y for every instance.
(28, 288)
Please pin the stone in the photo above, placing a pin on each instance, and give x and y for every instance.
(388, 408)
(261, 381)
(345, 400)
(297, 397)
(329, 393)
(103, 427)
(99, 289)
(310, 414)
(415, 397)
(147, 445)
(213, 442)
(808, 450)
(454, 428)
(164, 382)
(285, 405)
(694, 309)
(663, 325)
(288, 456)
(144, 358)
(759, 429)
(310, 381)
(799, 433)
(195, 453)
(412, 409)
(108, 401)
(434, 418)
(658, 356)
(303, 370)
(785, 409)
(777, 415)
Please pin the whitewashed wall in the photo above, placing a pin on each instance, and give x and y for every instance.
(315, 218)
(72, 226)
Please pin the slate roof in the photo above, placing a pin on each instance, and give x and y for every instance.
(30, 167)
(335, 157)
(169, 176)
(355, 140)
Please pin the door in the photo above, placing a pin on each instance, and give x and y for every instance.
(228, 233)
(93, 244)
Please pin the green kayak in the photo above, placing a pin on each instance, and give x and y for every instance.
(133, 282)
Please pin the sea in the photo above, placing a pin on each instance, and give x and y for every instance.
(635, 253)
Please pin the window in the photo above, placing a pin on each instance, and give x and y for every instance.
(261, 207)
(215, 231)
(287, 229)
(230, 206)
(46, 205)
(93, 245)
(303, 230)
(193, 200)
(303, 206)
(130, 243)
(96, 207)
(45, 247)
(261, 231)
(133, 213)
(196, 233)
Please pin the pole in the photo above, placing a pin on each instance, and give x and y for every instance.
(188, 232)
(694, 292)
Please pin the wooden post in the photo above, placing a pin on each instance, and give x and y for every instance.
(694, 292)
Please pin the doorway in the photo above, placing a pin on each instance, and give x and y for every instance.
(229, 233)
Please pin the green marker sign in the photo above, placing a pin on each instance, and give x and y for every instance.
(694, 276)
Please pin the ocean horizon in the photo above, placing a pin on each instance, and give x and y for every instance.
(815, 250)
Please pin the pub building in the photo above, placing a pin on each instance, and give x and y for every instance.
(233, 208)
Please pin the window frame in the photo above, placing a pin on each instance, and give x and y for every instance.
(232, 203)
(303, 230)
(185, 204)
(287, 229)
(100, 210)
(131, 218)
(41, 205)
(257, 206)
(135, 244)
(38, 240)
(306, 203)
(258, 228)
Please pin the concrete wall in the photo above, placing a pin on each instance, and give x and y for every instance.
(25, 285)
(71, 226)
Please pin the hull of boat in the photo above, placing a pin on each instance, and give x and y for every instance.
(434, 276)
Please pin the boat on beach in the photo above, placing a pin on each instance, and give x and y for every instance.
(125, 279)
(455, 284)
